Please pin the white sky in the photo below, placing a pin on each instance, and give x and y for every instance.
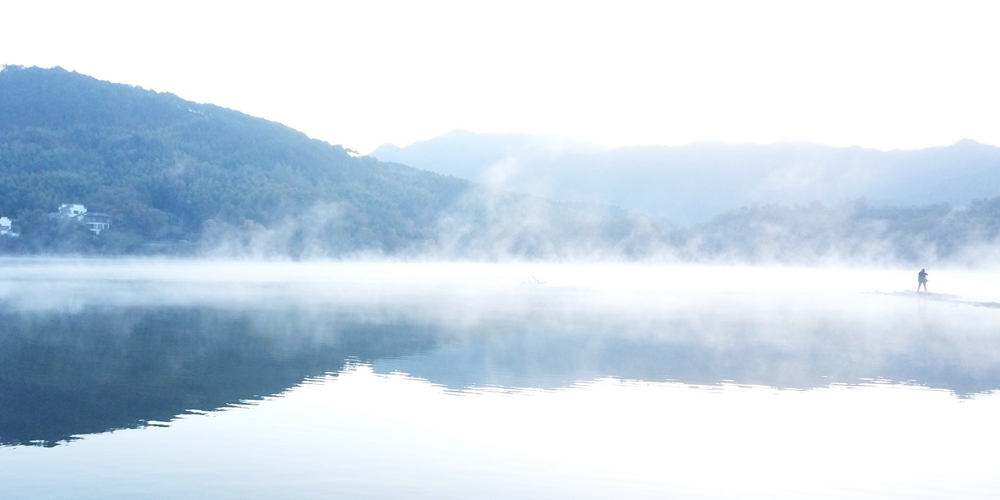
(362, 73)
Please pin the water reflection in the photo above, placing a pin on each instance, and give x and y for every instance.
(67, 374)
(99, 368)
(781, 341)
(466, 381)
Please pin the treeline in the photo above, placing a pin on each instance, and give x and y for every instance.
(849, 231)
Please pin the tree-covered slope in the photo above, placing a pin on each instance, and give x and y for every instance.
(175, 174)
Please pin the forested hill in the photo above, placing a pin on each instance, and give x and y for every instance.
(178, 176)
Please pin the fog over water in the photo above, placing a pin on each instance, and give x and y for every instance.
(530, 324)
(383, 379)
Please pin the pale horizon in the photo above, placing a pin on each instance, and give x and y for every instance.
(691, 143)
(885, 75)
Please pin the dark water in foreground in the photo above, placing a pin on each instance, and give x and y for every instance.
(150, 387)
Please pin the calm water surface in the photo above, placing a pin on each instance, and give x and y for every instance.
(153, 379)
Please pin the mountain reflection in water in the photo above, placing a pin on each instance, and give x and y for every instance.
(67, 374)
(98, 365)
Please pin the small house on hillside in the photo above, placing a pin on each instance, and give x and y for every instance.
(7, 227)
(72, 210)
(95, 221)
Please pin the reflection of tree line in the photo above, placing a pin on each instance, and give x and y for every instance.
(803, 351)
(66, 374)
(563, 362)
(70, 374)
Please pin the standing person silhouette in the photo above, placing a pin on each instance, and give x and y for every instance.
(922, 280)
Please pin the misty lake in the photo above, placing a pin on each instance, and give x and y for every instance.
(204, 379)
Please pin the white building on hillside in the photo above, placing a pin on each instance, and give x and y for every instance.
(72, 210)
(7, 227)
(95, 221)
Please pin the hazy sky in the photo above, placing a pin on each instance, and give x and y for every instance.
(361, 73)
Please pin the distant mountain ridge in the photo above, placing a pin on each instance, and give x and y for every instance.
(691, 184)
(468, 155)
